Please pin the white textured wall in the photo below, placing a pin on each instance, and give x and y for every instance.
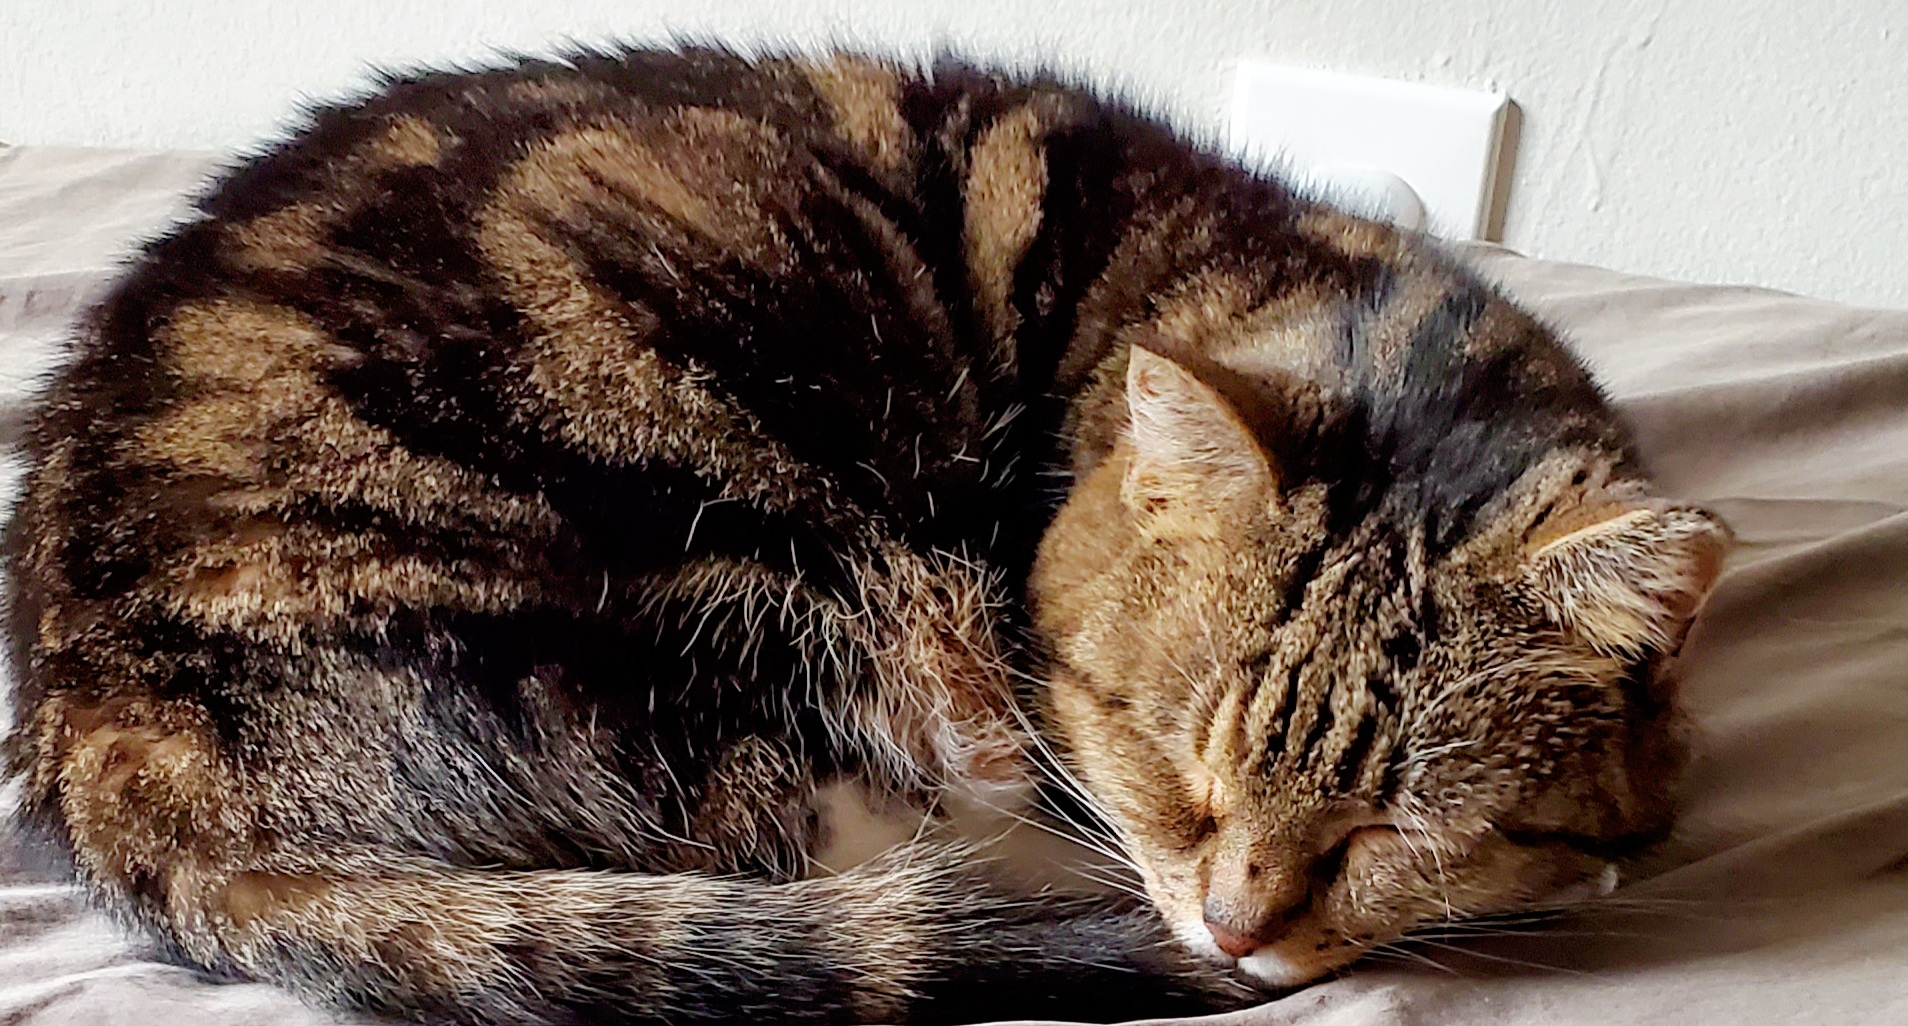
(1758, 141)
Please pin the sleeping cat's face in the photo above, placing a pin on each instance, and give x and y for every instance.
(1314, 737)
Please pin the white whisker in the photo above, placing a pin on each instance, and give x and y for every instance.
(1505, 959)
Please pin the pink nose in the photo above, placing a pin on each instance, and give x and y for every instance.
(1236, 943)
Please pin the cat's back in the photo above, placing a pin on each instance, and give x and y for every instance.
(790, 282)
(447, 308)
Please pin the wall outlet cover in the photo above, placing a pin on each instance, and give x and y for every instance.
(1423, 156)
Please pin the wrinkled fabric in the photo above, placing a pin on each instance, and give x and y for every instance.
(1782, 896)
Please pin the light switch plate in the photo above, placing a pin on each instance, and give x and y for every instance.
(1386, 148)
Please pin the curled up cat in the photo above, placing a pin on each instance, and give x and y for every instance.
(455, 563)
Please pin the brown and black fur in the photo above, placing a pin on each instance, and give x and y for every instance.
(453, 562)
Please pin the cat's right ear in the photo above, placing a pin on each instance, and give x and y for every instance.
(1192, 456)
(1631, 579)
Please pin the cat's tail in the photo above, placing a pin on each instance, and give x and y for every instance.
(917, 936)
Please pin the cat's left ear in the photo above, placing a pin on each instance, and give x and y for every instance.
(1631, 582)
(1191, 451)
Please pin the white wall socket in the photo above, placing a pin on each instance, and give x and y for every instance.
(1425, 157)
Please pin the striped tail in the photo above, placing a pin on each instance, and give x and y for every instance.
(918, 936)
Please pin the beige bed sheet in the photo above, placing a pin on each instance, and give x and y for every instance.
(1783, 896)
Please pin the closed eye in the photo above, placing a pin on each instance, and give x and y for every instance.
(1201, 827)
(1331, 864)
(1609, 849)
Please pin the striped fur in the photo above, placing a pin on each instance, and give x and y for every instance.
(1389, 650)
(453, 564)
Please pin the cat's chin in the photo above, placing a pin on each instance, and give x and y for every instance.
(1267, 968)
(1264, 968)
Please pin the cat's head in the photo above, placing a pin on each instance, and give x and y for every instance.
(1317, 735)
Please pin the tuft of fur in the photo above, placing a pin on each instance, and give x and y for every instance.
(454, 566)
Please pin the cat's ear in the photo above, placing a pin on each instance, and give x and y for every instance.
(1190, 449)
(1631, 581)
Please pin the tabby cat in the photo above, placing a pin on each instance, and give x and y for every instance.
(455, 564)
